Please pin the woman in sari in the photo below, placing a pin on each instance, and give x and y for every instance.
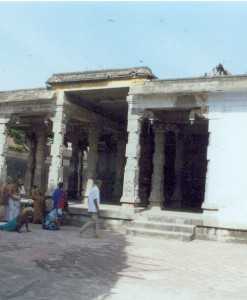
(16, 224)
(38, 205)
(13, 201)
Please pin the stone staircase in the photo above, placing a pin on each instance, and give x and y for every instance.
(163, 227)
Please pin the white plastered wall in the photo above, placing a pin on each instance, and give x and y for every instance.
(226, 186)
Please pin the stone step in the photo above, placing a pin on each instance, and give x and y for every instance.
(161, 234)
(173, 219)
(163, 226)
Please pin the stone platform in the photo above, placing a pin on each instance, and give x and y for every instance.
(112, 216)
(155, 223)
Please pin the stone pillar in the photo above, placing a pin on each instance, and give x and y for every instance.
(120, 163)
(3, 148)
(56, 167)
(79, 170)
(92, 158)
(157, 193)
(28, 181)
(40, 157)
(67, 154)
(215, 152)
(130, 195)
(74, 164)
(177, 196)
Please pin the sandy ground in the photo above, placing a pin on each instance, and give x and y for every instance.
(61, 265)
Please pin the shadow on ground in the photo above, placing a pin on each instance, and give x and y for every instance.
(60, 265)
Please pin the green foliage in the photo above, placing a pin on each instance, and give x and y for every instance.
(18, 136)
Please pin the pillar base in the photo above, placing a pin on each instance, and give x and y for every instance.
(128, 205)
(154, 207)
(210, 217)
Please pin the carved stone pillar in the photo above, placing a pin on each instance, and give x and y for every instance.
(84, 172)
(120, 163)
(56, 167)
(79, 170)
(92, 158)
(74, 164)
(28, 182)
(130, 195)
(40, 156)
(177, 196)
(157, 193)
(3, 148)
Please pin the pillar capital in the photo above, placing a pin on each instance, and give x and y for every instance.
(158, 127)
(172, 127)
(4, 120)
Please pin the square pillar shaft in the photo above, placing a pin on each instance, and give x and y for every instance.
(30, 164)
(3, 148)
(157, 193)
(39, 173)
(120, 162)
(130, 195)
(56, 167)
(92, 158)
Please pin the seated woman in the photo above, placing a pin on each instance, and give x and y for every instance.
(24, 218)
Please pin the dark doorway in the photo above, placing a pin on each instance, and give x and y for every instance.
(193, 166)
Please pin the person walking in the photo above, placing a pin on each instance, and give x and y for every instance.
(93, 209)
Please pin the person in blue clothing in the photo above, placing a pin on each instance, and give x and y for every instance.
(53, 218)
(58, 196)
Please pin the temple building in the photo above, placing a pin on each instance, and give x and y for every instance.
(169, 145)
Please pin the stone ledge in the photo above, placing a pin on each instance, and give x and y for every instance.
(117, 214)
(26, 95)
(221, 234)
(95, 75)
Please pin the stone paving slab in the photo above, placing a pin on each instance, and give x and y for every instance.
(44, 265)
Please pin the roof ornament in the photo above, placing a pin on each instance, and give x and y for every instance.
(219, 70)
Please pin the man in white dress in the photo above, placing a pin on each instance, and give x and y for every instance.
(93, 208)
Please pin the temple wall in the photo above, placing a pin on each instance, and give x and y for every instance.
(225, 203)
(227, 159)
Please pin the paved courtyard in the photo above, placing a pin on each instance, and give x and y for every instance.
(60, 265)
